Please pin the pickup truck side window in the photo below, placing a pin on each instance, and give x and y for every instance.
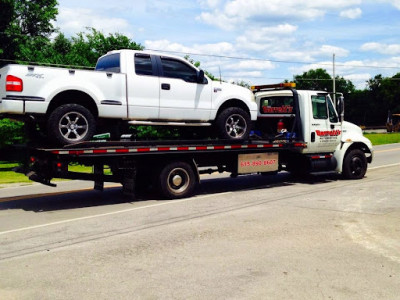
(173, 68)
(109, 63)
(143, 65)
(319, 107)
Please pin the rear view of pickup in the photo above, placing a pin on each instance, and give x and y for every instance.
(70, 106)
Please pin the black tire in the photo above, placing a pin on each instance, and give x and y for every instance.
(70, 124)
(233, 123)
(177, 180)
(354, 164)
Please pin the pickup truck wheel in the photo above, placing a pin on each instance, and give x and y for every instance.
(177, 180)
(233, 124)
(354, 164)
(71, 123)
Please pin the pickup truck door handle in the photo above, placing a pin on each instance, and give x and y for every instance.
(165, 86)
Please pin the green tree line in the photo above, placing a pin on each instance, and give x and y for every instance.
(28, 35)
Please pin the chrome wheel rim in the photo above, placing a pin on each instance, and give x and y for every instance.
(235, 126)
(73, 126)
(178, 180)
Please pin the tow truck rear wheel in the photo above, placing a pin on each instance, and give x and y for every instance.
(354, 164)
(177, 180)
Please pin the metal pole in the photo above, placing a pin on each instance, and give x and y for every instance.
(334, 81)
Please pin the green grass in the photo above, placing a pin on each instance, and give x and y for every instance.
(383, 138)
(7, 176)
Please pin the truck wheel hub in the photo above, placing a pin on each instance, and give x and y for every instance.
(177, 180)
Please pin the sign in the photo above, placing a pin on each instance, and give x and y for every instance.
(258, 162)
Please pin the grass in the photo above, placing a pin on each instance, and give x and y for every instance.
(8, 176)
(383, 138)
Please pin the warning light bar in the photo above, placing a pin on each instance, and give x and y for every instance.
(256, 88)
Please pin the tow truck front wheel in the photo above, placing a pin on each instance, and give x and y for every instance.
(354, 164)
(177, 180)
(71, 123)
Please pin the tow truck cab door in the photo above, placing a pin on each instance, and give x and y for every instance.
(325, 126)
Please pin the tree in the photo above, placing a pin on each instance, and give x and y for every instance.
(7, 13)
(383, 95)
(317, 79)
(25, 23)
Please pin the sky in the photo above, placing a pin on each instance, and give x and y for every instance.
(256, 41)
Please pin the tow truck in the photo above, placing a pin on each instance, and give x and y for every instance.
(299, 131)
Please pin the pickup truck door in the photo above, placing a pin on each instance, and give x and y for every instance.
(325, 128)
(143, 89)
(182, 98)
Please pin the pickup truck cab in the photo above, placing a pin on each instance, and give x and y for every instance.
(139, 87)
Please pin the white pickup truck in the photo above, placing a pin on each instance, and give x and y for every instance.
(139, 87)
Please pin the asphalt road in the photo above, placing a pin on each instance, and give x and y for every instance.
(252, 237)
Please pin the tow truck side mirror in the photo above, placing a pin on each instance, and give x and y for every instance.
(340, 107)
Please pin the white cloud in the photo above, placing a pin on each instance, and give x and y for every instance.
(220, 49)
(251, 65)
(271, 38)
(234, 13)
(293, 55)
(395, 3)
(72, 21)
(328, 49)
(166, 45)
(392, 49)
(219, 20)
(354, 13)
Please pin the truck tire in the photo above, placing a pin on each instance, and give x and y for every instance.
(233, 123)
(177, 180)
(71, 123)
(354, 164)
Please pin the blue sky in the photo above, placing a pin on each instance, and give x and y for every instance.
(258, 41)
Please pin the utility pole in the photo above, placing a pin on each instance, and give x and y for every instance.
(334, 81)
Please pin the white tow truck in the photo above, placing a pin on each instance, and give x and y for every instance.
(139, 87)
(297, 131)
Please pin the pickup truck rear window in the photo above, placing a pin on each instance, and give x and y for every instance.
(110, 63)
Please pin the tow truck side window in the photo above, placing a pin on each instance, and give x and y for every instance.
(323, 108)
(333, 117)
(319, 107)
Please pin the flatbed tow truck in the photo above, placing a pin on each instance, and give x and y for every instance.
(297, 131)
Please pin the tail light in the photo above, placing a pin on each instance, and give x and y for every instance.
(14, 84)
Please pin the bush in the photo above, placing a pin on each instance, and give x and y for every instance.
(11, 132)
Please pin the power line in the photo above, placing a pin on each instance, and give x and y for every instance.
(274, 61)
